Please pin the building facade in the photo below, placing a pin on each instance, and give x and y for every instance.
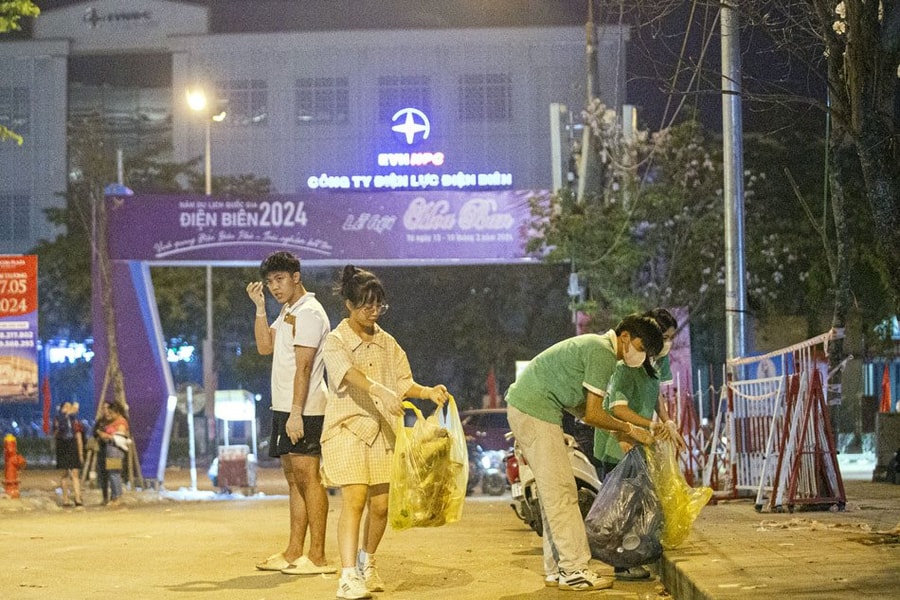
(33, 104)
(314, 111)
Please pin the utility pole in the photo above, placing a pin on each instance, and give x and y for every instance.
(587, 170)
(732, 147)
(590, 47)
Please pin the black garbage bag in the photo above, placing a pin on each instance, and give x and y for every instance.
(624, 524)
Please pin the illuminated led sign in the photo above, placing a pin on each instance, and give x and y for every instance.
(414, 121)
(418, 168)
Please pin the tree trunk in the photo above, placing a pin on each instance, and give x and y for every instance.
(882, 178)
(869, 76)
(843, 156)
(842, 161)
(113, 370)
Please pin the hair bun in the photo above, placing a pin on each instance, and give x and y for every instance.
(348, 273)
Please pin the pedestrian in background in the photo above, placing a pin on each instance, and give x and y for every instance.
(68, 433)
(572, 375)
(99, 444)
(368, 377)
(294, 339)
(114, 435)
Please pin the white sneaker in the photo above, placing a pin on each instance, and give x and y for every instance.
(583, 580)
(352, 587)
(551, 580)
(370, 575)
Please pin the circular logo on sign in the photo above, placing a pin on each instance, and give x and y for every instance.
(413, 122)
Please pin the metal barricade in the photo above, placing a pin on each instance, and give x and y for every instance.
(772, 434)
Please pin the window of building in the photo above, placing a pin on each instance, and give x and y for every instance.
(322, 100)
(403, 91)
(15, 217)
(15, 108)
(485, 97)
(135, 119)
(245, 101)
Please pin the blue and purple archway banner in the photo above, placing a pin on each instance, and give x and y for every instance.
(380, 228)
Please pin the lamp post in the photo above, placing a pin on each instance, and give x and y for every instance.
(196, 99)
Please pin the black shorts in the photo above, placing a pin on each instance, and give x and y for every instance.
(308, 445)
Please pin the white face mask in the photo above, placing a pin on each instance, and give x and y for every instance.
(634, 357)
(667, 345)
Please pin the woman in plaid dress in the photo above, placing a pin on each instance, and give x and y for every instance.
(368, 377)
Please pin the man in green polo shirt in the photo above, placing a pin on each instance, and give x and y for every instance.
(572, 376)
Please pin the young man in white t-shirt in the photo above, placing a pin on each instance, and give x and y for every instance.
(295, 340)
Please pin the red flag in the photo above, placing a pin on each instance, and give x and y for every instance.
(886, 390)
(492, 389)
(45, 392)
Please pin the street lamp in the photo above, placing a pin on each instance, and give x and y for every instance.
(196, 100)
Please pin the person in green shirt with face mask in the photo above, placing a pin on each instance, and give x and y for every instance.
(572, 376)
(633, 396)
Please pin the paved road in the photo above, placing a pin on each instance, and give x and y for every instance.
(206, 550)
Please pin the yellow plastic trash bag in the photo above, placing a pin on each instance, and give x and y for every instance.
(429, 471)
(680, 502)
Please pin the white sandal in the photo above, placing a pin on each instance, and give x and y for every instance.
(276, 562)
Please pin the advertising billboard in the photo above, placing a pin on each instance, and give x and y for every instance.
(401, 228)
(18, 329)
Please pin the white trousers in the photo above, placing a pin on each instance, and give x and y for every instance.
(542, 443)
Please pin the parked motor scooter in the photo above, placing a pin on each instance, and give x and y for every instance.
(474, 452)
(525, 499)
(485, 468)
(493, 475)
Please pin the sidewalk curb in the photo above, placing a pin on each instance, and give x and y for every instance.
(677, 582)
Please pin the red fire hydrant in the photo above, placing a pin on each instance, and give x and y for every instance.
(14, 463)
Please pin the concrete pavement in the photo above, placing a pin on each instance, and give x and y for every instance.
(162, 548)
(735, 553)
(159, 548)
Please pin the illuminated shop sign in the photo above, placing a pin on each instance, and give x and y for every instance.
(420, 168)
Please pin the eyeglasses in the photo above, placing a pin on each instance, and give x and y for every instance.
(378, 309)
